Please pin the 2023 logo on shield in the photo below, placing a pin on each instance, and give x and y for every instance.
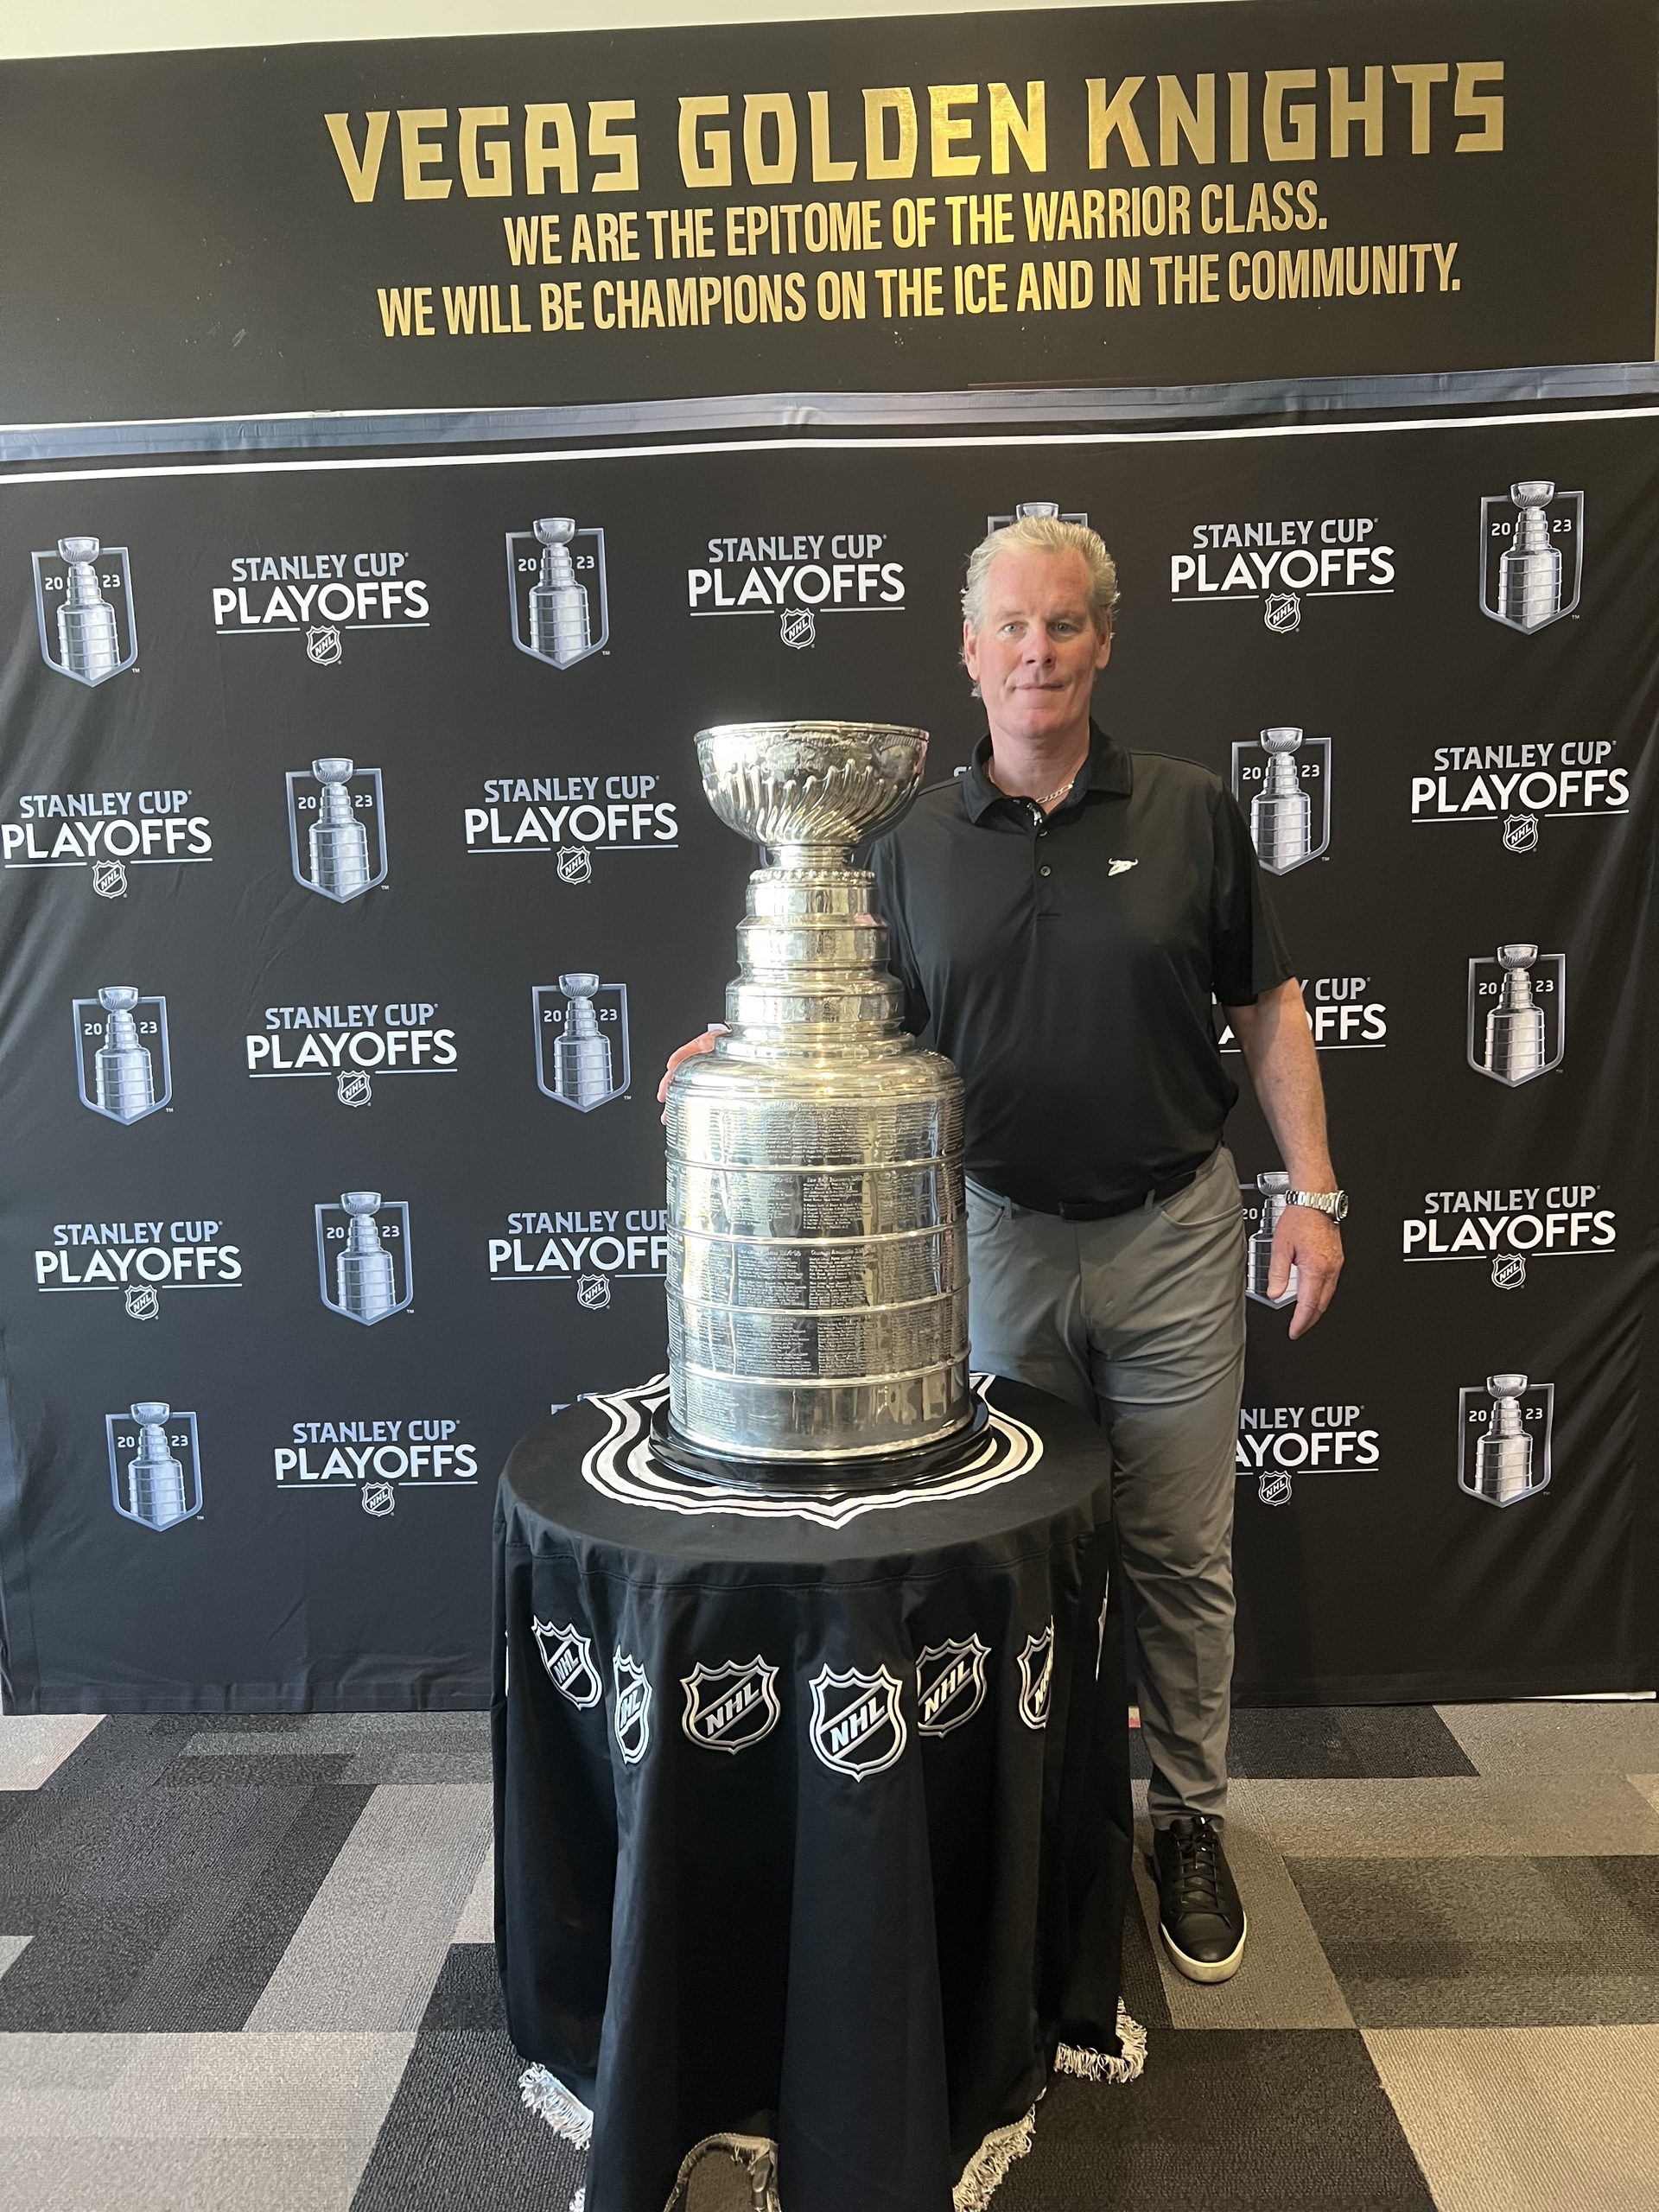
(123, 1065)
(582, 1041)
(337, 827)
(1282, 779)
(1531, 554)
(83, 604)
(556, 584)
(365, 1265)
(155, 1463)
(1517, 1014)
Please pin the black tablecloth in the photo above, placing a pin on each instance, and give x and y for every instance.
(812, 1821)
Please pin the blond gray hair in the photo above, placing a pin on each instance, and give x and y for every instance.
(1043, 534)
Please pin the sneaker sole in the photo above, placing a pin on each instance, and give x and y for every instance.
(1207, 1970)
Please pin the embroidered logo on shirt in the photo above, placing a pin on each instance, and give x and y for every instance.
(1121, 868)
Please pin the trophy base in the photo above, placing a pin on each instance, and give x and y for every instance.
(893, 1471)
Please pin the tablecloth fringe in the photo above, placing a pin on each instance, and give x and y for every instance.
(548, 2098)
(1099, 2065)
(756, 2154)
(985, 2173)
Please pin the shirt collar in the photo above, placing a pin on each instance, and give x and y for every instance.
(1107, 771)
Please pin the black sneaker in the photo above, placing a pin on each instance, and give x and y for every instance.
(1199, 1915)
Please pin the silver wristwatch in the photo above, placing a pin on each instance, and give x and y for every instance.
(1335, 1203)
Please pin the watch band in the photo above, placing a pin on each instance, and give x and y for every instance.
(1333, 1203)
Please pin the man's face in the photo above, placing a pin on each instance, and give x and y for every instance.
(1036, 660)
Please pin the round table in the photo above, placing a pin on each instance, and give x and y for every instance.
(811, 1814)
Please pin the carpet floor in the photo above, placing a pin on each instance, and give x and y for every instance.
(246, 1962)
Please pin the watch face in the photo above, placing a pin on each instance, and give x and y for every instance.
(1339, 1212)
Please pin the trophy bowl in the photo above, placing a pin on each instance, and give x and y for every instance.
(812, 784)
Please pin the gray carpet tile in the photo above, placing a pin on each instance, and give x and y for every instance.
(1451, 1816)
(33, 1747)
(1557, 1737)
(458, 2135)
(1261, 2121)
(1490, 1943)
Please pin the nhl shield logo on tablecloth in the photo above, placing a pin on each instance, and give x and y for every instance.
(731, 1705)
(632, 1720)
(949, 1684)
(858, 1725)
(1036, 1677)
(569, 1658)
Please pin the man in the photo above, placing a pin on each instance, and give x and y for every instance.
(1064, 915)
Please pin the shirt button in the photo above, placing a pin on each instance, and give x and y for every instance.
(1045, 871)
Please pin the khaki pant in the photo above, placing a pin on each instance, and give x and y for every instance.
(1140, 1320)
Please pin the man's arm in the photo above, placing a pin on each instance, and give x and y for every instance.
(1277, 1044)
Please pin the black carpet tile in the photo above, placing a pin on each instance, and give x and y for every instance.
(458, 2139)
(293, 1768)
(1341, 1743)
(467, 1998)
(1489, 1942)
(1231, 2121)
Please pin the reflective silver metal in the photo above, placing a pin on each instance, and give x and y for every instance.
(87, 638)
(1529, 574)
(156, 1486)
(1515, 1027)
(817, 1281)
(339, 842)
(1281, 813)
(363, 1278)
(560, 627)
(123, 1075)
(1504, 1455)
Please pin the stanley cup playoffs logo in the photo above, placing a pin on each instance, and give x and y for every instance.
(555, 581)
(1505, 1426)
(337, 827)
(364, 1262)
(1283, 780)
(582, 1041)
(154, 1466)
(1531, 554)
(121, 1063)
(1517, 1014)
(83, 603)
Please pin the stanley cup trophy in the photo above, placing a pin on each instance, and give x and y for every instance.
(363, 1281)
(339, 842)
(124, 1076)
(1529, 574)
(154, 1479)
(1504, 1455)
(582, 1053)
(818, 1272)
(88, 642)
(1282, 827)
(1273, 1185)
(1515, 1027)
(559, 624)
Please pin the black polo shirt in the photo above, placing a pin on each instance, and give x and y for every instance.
(1067, 964)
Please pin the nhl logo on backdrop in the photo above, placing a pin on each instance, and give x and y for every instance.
(799, 627)
(323, 646)
(354, 1087)
(377, 1500)
(337, 827)
(1273, 1486)
(1520, 833)
(569, 1658)
(83, 607)
(1517, 1014)
(949, 1684)
(1282, 778)
(1510, 1271)
(556, 588)
(632, 1720)
(582, 1041)
(1531, 554)
(575, 864)
(110, 879)
(731, 1705)
(1506, 1426)
(123, 1065)
(143, 1302)
(593, 1292)
(1036, 1677)
(364, 1261)
(154, 1464)
(1283, 613)
(858, 1725)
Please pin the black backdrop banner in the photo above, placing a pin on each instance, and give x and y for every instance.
(315, 840)
(1146, 194)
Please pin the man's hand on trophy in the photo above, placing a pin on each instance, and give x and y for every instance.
(704, 1044)
(1311, 1243)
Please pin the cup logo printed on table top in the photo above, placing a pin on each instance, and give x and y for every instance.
(730, 1707)
(1036, 1677)
(1531, 554)
(949, 1684)
(337, 827)
(1506, 1426)
(632, 1719)
(858, 1725)
(569, 1658)
(106, 833)
(155, 1463)
(124, 1067)
(1282, 780)
(83, 607)
(319, 598)
(1517, 1014)
(582, 1039)
(556, 591)
(365, 1265)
